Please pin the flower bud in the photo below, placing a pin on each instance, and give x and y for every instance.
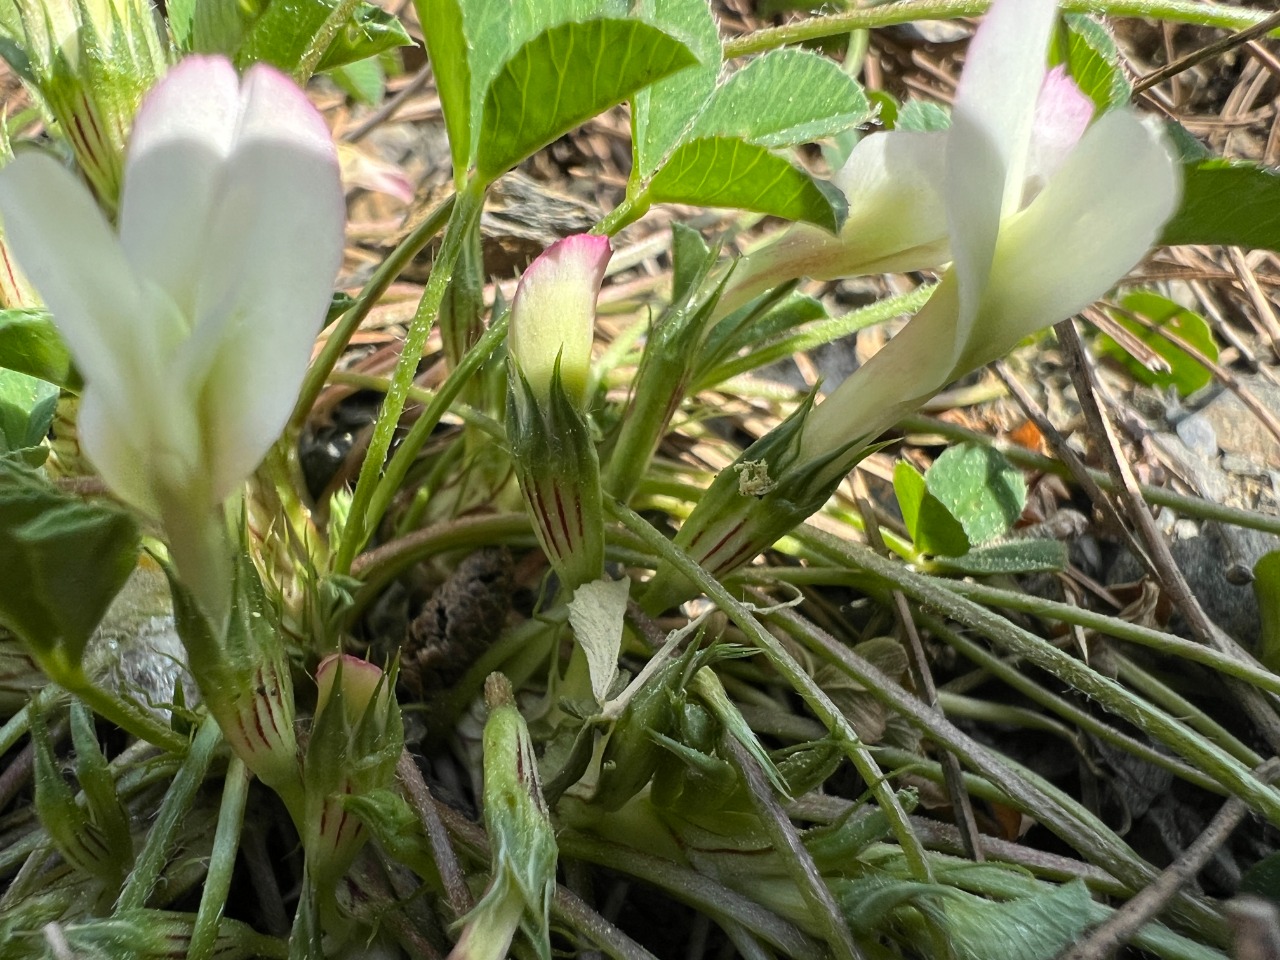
(553, 315)
(523, 841)
(91, 61)
(552, 323)
(355, 743)
(94, 837)
(559, 474)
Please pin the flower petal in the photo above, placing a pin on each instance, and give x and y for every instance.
(272, 248)
(1063, 113)
(1096, 218)
(990, 136)
(896, 221)
(121, 332)
(554, 310)
(146, 448)
(67, 249)
(360, 681)
(903, 373)
(181, 138)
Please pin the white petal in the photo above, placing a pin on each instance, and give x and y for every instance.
(1097, 218)
(274, 244)
(66, 248)
(907, 370)
(69, 253)
(990, 135)
(181, 138)
(1000, 85)
(896, 222)
(141, 432)
(554, 312)
(115, 443)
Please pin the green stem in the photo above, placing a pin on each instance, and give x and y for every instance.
(222, 862)
(338, 16)
(936, 594)
(380, 566)
(128, 716)
(334, 345)
(798, 862)
(791, 670)
(1180, 706)
(1053, 610)
(1226, 16)
(1025, 790)
(423, 397)
(1009, 673)
(359, 528)
(1165, 643)
(411, 445)
(628, 211)
(176, 804)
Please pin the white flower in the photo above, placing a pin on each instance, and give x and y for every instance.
(553, 314)
(1043, 213)
(193, 324)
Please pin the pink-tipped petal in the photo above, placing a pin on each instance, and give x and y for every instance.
(1063, 113)
(553, 313)
(359, 170)
(272, 248)
(181, 138)
(360, 681)
(1092, 223)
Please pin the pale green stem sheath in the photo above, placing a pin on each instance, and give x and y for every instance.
(222, 861)
(786, 665)
(693, 888)
(176, 804)
(1226, 16)
(359, 528)
(490, 940)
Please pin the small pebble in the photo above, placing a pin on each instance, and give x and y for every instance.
(1198, 434)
